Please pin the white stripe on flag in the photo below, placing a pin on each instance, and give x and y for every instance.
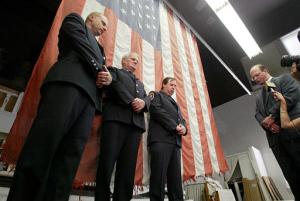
(204, 106)
(122, 43)
(148, 77)
(91, 6)
(165, 42)
(189, 96)
(148, 67)
(166, 50)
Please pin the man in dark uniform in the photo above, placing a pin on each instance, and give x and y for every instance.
(164, 140)
(123, 125)
(69, 97)
(285, 144)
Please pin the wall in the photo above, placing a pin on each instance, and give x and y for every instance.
(238, 129)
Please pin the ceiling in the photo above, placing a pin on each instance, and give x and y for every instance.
(266, 20)
(25, 25)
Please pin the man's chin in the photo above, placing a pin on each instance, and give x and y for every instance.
(132, 69)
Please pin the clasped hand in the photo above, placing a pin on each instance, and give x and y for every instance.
(181, 130)
(269, 123)
(103, 78)
(137, 104)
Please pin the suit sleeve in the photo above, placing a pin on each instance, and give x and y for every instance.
(183, 122)
(74, 27)
(160, 115)
(290, 90)
(258, 116)
(123, 94)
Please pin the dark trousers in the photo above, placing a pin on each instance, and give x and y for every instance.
(287, 153)
(52, 151)
(165, 164)
(119, 145)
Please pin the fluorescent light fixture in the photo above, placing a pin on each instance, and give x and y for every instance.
(235, 26)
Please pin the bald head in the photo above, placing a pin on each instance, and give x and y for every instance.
(259, 73)
(97, 23)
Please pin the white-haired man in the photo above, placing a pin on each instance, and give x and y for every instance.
(123, 125)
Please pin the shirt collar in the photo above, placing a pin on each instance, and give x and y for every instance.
(270, 78)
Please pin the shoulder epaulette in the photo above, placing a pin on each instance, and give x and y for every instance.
(152, 94)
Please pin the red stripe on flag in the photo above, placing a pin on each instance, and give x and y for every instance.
(204, 144)
(187, 150)
(158, 69)
(89, 161)
(109, 37)
(28, 108)
(137, 46)
(219, 151)
(138, 178)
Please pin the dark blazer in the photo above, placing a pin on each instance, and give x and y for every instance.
(266, 105)
(165, 115)
(125, 87)
(80, 57)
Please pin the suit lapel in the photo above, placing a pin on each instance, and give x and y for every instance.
(135, 81)
(94, 43)
(173, 101)
(268, 100)
(266, 96)
(276, 81)
(179, 116)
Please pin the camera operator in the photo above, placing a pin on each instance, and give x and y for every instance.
(295, 72)
(284, 143)
(294, 62)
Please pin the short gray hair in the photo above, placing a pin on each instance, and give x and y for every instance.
(130, 55)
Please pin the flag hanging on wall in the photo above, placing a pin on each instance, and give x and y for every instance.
(167, 48)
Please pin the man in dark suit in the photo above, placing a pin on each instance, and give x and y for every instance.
(123, 125)
(165, 130)
(69, 97)
(284, 143)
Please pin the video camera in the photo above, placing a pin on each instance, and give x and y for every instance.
(287, 61)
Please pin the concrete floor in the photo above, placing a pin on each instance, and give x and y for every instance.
(4, 192)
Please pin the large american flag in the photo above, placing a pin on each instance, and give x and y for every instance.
(167, 48)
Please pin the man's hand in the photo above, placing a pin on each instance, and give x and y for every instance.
(267, 122)
(181, 130)
(103, 78)
(274, 128)
(137, 104)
